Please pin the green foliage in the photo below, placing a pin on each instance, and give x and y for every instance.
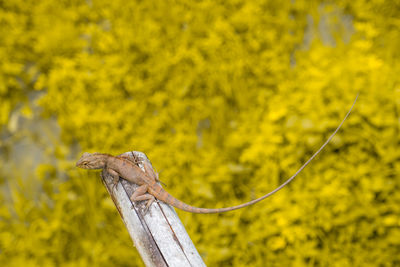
(227, 100)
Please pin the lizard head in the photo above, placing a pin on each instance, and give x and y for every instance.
(92, 161)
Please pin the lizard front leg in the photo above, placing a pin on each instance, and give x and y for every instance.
(114, 175)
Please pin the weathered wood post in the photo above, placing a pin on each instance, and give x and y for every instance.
(158, 235)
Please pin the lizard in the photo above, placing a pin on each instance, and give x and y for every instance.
(149, 189)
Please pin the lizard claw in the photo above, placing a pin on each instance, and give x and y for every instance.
(164, 184)
(115, 182)
(148, 204)
(114, 185)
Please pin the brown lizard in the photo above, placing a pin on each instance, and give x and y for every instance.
(149, 188)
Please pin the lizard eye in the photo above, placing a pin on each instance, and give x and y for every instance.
(85, 163)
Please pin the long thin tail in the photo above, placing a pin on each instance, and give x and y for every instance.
(166, 197)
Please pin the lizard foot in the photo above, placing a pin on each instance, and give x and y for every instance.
(148, 204)
(114, 185)
(150, 199)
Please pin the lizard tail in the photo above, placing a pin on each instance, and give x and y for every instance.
(164, 196)
(161, 194)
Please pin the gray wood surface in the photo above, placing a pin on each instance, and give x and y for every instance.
(158, 234)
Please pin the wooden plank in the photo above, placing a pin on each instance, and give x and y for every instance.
(158, 234)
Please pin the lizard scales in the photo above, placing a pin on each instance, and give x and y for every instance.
(149, 188)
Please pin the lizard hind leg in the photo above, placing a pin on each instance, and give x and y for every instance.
(133, 160)
(150, 199)
(147, 167)
(150, 171)
(140, 195)
(140, 191)
(159, 181)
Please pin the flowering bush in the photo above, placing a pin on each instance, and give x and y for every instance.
(227, 99)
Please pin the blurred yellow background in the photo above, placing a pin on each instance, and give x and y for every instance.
(227, 99)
